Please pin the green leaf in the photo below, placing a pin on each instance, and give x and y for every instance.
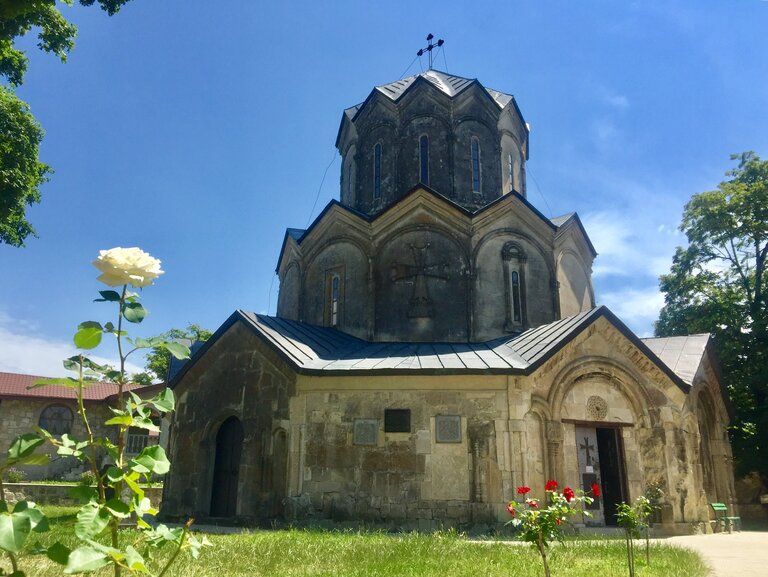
(62, 381)
(177, 349)
(121, 420)
(110, 296)
(117, 508)
(140, 343)
(38, 520)
(88, 335)
(14, 530)
(145, 423)
(151, 460)
(134, 560)
(164, 401)
(84, 559)
(134, 312)
(58, 553)
(114, 474)
(134, 486)
(24, 446)
(83, 493)
(91, 520)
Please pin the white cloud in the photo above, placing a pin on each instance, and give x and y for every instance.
(637, 308)
(626, 246)
(612, 98)
(24, 350)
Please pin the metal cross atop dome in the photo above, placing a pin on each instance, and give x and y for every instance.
(429, 48)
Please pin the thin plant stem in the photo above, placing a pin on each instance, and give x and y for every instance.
(81, 411)
(14, 562)
(121, 428)
(182, 540)
(543, 553)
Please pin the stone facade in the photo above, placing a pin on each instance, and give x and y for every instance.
(21, 416)
(436, 346)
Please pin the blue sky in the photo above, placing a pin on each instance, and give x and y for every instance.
(201, 133)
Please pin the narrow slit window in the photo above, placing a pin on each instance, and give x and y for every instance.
(510, 172)
(424, 159)
(475, 149)
(335, 282)
(377, 171)
(351, 182)
(516, 300)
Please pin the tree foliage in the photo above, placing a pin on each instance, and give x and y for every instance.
(717, 285)
(159, 358)
(21, 172)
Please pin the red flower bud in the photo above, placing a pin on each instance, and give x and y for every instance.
(523, 490)
(557, 520)
(511, 509)
(595, 490)
(568, 494)
(533, 504)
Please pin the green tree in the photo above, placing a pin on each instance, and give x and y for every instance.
(717, 285)
(159, 358)
(21, 172)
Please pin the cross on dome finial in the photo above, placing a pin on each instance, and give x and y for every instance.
(429, 48)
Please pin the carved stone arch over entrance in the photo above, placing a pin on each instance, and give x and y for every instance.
(600, 406)
(226, 468)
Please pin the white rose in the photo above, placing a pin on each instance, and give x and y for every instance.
(133, 266)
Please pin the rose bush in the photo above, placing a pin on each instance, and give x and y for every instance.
(127, 266)
(540, 523)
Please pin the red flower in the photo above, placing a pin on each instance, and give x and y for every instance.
(595, 490)
(523, 490)
(551, 485)
(557, 520)
(511, 509)
(533, 504)
(568, 494)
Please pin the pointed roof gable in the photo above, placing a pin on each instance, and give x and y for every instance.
(317, 350)
(564, 220)
(683, 355)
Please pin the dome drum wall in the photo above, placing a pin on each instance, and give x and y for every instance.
(476, 148)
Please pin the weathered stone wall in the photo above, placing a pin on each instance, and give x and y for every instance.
(407, 479)
(241, 377)
(48, 494)
(22, 415)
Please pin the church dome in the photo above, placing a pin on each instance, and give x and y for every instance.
(452, 134)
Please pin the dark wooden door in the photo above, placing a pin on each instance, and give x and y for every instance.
(611, 471)
(226, 470)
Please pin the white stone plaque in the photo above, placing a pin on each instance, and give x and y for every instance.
(366, 432)
(448, 429)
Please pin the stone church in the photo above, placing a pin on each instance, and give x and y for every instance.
(436, 345)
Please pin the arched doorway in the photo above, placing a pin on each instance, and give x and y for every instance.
(226, 469)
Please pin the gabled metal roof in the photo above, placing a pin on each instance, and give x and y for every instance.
(681, 354)
(317, 350)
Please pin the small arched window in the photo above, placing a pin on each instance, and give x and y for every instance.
(424, 159)
(511, 171)
(513, 260)
(475, 150)
(377, 171)
(517, 307)
(56, 419)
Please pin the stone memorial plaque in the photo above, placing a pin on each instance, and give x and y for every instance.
(448, 429)
(366, 432)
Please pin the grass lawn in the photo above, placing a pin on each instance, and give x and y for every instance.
(303, 553)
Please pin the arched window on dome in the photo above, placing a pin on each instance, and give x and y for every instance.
(377, 171)
(475, 153)
(424, 159)
(513, 262)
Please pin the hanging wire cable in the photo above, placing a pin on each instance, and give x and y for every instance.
(314, 204)
(536, 182)
(409, 67)
(442, 50)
